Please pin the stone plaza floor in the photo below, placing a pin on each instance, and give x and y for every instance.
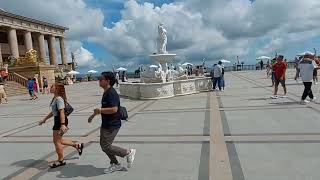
(238, 134)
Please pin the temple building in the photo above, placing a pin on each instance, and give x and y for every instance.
(25, 43)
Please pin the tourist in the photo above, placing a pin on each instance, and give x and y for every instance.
(315, 71)
(268, 69)
(35, 88)
(45, 86)
(30, 88)
(272, 71)
(123, 76)
(111, 123)
(217, 75)
(58, 111)
(3, 94)
(306, 70)
(117, 79)
(296, 65)
(261, 65)
(279, 69)
(222, 78)
(212, 77)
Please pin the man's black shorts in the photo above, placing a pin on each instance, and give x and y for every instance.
(315, 72)
(278, 81)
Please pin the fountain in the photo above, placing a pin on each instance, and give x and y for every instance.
(163, 82)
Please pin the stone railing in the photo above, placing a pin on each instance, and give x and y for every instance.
(18, 78)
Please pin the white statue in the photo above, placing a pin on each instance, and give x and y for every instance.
(179, 74)
(162, 40)
(152, 75)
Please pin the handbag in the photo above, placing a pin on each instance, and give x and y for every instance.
(68, 109)
(123, 113)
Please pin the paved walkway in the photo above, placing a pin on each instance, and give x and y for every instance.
(238, 134)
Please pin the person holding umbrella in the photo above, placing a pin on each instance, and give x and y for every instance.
(306, 68)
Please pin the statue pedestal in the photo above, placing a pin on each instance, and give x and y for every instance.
(42, 70)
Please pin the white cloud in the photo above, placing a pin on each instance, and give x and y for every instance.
(83, 57)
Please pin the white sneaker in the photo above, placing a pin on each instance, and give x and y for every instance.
(274, 97)
(316, 83)
(130, 157)
(113, 168)
(313, 100)
(304, 101)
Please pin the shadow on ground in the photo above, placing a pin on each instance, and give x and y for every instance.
(72, 170)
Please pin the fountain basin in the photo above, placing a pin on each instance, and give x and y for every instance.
(165, 90)
(163, 58)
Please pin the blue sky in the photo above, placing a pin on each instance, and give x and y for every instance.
(114, 33)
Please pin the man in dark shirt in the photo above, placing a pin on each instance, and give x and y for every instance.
(111, 123)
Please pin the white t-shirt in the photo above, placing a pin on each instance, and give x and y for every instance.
(306, 67)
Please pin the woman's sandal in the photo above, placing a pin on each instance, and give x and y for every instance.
(58, 164)
(80, 148)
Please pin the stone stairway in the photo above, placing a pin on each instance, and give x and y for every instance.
(13, 88)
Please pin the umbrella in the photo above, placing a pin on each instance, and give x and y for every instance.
(306, 53)
(92, 71)
(263, 58)
(225, 61)
(73, 72)
(153, 66)
(121, 69)
(187, 64)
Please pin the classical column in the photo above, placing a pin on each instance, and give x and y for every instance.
(28, 40)
(42, 49)
(13, 42)
(52, 50)
(63, 51)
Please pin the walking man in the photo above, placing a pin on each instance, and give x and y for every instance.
(111, 123)
(279, 69)
(306, 67)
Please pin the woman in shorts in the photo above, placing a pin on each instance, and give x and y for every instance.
(60, 127)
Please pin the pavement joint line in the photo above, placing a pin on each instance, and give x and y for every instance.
(273, 138)
(179, 111)
(257, 109)
(38, 168)
(19, 129)
(118, 139)
(219, 164)
(154, 110)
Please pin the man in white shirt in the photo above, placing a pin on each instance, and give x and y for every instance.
(306, 67)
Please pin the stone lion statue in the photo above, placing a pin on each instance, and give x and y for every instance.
(31, 56)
